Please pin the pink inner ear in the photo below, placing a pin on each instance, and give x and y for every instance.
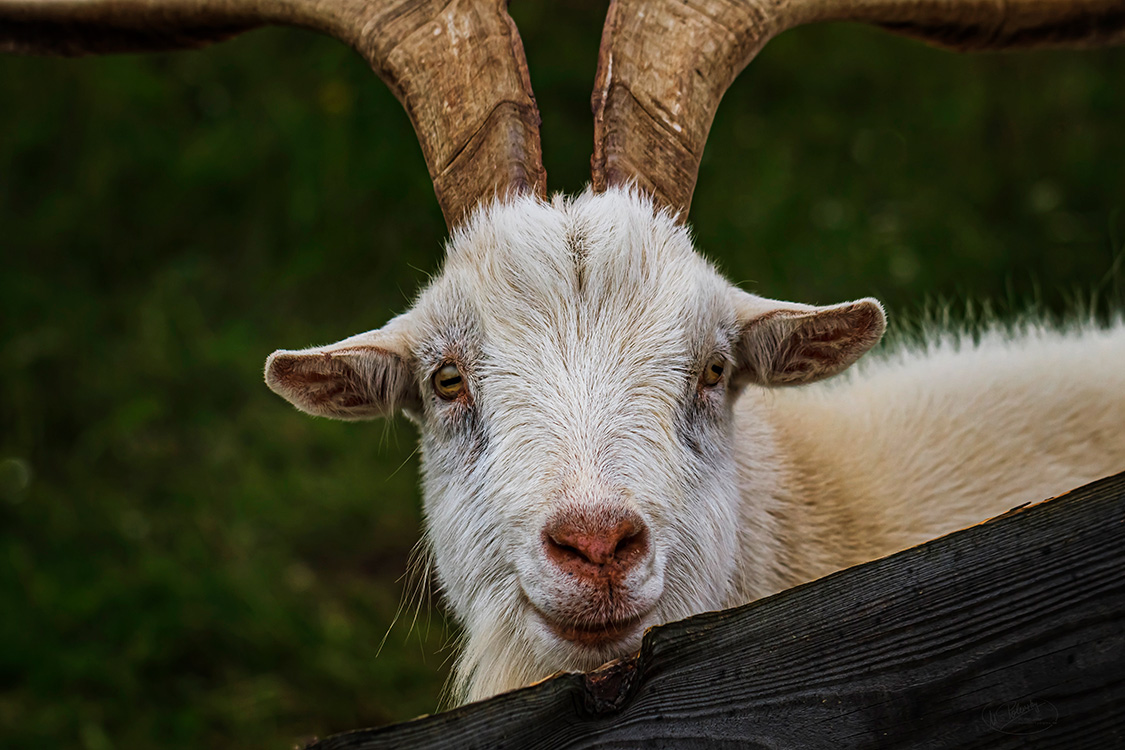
(317, 382)
(328, 384)
(828, 342)
(791, 347)
(348, 381)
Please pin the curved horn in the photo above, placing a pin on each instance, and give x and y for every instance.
(458, 68)
(665, 64)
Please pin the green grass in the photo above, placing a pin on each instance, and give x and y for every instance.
(185, 561)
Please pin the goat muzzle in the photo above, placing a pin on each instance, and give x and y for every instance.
(597, 546)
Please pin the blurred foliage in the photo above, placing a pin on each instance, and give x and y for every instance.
(185, 561)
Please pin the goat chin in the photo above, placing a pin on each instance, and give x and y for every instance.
(610, 441)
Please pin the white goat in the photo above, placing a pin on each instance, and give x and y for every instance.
(603, 448)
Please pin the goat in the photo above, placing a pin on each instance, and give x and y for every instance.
(605, 446)
(607, 438)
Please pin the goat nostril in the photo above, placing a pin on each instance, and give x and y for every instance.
(562, 550)
(630, 545)
(584, 543)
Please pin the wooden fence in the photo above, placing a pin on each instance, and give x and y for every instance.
(1008, 634)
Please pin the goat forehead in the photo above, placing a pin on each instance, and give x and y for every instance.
(575, 275)
(588, 316)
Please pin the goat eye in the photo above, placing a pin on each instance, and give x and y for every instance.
(448, 381)
(713, 371)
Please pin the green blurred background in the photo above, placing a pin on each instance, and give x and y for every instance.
(186, 561)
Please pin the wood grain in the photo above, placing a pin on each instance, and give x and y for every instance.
(664, 65)
(457, 67)
(1007, 634)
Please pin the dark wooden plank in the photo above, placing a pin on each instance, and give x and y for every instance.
(1005, 635)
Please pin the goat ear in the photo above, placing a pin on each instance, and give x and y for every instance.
(362, 377)
(783, 343)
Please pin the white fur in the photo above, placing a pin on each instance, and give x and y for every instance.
(581, 328)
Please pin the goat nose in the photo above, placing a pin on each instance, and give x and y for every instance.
(596, 543)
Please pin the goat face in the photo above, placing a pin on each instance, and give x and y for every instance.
(573, 371)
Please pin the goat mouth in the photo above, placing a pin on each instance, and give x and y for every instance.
(595, 635)
(592, 633)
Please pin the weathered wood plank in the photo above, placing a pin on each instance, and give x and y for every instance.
(1004, 635)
